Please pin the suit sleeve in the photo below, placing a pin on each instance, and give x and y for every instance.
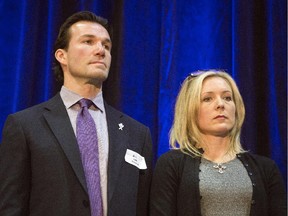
(14, 170)
(163, 199)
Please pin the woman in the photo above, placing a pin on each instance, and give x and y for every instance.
(207, 172)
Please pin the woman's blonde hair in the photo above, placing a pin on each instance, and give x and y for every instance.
(185, 133)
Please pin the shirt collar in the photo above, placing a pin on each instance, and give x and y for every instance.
(70, 98)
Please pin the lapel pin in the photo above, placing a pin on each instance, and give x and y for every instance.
(121, 126)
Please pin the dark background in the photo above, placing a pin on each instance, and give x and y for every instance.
(156, 44)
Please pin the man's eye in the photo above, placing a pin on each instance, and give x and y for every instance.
(107, 47)
(88, 42)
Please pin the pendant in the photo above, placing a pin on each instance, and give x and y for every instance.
(220, 168)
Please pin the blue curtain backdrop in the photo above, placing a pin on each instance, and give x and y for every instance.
(155, 45)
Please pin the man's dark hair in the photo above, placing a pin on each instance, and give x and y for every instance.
(63, 39)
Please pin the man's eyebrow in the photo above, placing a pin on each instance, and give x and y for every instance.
(107, 40)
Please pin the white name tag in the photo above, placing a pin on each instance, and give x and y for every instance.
(135, 159)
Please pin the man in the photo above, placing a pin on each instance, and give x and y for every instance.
(42, 164)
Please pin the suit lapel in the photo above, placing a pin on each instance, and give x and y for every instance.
(59, 122)
(118, 143)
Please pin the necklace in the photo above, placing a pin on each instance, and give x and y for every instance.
(220, 167)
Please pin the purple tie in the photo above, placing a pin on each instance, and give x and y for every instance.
(88, 145)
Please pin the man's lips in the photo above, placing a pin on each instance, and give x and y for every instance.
(97, 62)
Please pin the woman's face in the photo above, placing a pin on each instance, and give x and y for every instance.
(217, 108)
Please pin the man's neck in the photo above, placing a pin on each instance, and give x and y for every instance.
(84, 89)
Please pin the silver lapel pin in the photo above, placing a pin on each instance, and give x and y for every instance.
(121, 126)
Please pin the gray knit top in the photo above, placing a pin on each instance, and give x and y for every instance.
(228, 193)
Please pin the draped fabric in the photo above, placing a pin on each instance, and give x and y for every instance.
(156, 44)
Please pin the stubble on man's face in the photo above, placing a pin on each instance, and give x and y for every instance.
(89, 52)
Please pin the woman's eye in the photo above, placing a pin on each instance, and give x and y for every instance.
(228, 98)
(207, 99)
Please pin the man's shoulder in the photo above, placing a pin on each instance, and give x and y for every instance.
(112, 112)
(38, 108)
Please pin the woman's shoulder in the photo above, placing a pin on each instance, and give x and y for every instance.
(169, 156)
(256, 157)
(173, 154)
(174, 157)
(260, 160)
(173, 162)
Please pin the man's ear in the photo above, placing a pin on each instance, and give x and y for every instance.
(61, 56)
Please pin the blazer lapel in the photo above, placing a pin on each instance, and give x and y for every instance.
(118, 143)
(59, 122)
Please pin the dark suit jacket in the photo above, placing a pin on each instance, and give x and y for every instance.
(41, 171)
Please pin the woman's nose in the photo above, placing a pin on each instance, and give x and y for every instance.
(220, 103)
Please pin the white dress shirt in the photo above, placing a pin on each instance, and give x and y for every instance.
(98, 114)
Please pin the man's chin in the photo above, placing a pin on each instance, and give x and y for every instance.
(99, 77)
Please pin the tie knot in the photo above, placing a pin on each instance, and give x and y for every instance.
(85, 102)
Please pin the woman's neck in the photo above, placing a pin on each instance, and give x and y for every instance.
(216, 149)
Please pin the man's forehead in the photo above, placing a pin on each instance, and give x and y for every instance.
(89, 28)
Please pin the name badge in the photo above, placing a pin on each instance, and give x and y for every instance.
(135, 159)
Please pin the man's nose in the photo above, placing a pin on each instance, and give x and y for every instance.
(99, 49)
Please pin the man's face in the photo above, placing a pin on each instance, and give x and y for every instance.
(88, 56)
